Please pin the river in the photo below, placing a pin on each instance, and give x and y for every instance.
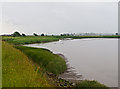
(93, 58)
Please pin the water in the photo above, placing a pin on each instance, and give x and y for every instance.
(95, 59)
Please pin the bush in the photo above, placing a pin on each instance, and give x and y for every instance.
(35, 34)
(42, 34)
(23, 34)
(16, 34)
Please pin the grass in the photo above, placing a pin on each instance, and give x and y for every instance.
(80, 37)
(29, 39)
(41, 39)
(86, 84)
(19, 71)
(47, 60)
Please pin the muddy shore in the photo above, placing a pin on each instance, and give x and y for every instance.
(70, 74)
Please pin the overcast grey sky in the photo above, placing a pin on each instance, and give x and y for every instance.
(60, 17)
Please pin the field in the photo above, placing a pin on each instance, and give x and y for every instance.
(80, 37)
(29, 39)
(42, 39)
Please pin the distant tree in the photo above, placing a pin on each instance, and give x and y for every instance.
(16, 34)
(62, 34)
(23, 34)
(116, 33)
(42, 34)
(35, 34)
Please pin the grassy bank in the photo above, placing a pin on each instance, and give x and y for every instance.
(19, 71)
(44, 58)
(27, 67)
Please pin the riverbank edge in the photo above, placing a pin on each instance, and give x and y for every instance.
(59, 55)
(80, 83)
(65, 83)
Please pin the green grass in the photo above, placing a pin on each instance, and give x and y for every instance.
(80, 37)
(86, 84)
(42, 39)
(46, 59)
(19, 71)
(29, 39)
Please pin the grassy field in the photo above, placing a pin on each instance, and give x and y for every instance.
(41, 39)
(29, 39)
(19, 71)
(44, 58)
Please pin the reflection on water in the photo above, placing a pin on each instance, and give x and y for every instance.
(93, 58)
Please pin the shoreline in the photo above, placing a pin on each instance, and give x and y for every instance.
(73, 77)
(69, 74)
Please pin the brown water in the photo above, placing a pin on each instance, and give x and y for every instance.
(95, 59)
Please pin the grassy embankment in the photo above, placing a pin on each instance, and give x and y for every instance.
(29, 70)
(19, 71)
(46, 59)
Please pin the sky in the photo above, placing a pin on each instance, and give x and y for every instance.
(59, 17)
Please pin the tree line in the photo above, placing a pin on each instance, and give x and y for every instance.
(15, 34)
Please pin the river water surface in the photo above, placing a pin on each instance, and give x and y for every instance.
(95, 58)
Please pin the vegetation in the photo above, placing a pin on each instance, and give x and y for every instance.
(16, 34)
(41, 39)
(19, 71)
(86, 84)
(23, 34)
(42, 34)
(80, 37)
(29, 39)
(46, 59)
(27, 67)
(35, 34)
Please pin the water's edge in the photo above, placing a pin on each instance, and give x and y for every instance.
(69, 74)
